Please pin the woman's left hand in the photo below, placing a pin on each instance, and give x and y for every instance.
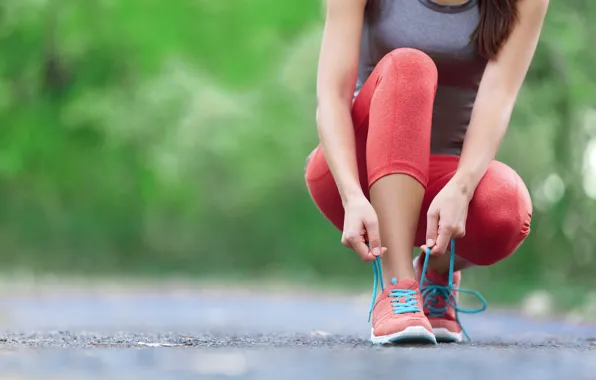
(446, 218)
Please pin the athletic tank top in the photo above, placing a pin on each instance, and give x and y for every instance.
(443, 32)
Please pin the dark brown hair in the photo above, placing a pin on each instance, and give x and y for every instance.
(497, 18)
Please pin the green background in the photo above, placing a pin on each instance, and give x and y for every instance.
(156, 138)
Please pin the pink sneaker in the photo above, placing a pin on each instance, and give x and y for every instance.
(440, 301)
(397, 315)
(440, 312)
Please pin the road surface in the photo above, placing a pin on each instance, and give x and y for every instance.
(240, 334)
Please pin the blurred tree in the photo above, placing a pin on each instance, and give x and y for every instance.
(154, 137)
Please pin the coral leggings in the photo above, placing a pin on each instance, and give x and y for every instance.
(392, 117)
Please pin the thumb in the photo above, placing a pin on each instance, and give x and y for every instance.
(374, 239)
(432, 228)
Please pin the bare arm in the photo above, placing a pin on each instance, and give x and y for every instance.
(337, 72)
(497, 94)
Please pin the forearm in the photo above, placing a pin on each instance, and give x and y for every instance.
(336, 134)
(497, 94)
(489, 123)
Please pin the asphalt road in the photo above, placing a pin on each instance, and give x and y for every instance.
(190, 334)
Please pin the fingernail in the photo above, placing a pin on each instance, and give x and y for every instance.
(376, 251)
(429, 242)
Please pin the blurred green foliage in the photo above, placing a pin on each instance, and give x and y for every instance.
(152, 137)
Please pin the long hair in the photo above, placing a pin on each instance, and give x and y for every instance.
(497, 18)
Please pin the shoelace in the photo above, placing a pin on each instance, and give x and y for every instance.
(378, 274)
(431, 292)
(404, 300)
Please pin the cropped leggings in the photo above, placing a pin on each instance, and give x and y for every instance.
(392, 118)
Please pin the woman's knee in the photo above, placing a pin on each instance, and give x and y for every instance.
(411, 63)
(500, 215)
(400, 116)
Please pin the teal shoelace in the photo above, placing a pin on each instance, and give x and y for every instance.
(432, 293)
(403, 300)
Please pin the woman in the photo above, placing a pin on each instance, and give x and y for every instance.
(414, 98)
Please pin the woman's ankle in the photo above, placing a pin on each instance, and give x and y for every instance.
(399, 272)
(441, 263)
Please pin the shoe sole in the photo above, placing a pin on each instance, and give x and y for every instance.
(445, 336)
(412, 334)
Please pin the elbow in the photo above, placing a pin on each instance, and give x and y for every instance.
(503, 100)
(323, 105)
(319, 117)
(318, 114)
(332, 109)
(495, 111)
(506, 103)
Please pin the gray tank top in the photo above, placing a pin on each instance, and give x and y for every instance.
(443, 32)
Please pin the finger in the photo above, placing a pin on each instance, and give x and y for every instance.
(425, 255)
(374, 238)
(460, 233)
(426, 250)
(432, 226)
(442, 242)
(383, 251)
(363, 251)
(345, 242)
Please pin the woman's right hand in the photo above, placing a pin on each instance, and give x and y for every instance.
(361, 225)
(335, 91)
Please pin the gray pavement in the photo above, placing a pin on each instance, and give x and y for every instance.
(231, 333)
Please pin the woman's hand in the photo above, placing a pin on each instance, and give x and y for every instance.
(361, 225)
(446, 218)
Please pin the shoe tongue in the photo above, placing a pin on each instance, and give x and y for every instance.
(406, 283)
(431, 274)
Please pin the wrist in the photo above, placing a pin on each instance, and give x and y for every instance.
(465, 181)
(351, 195)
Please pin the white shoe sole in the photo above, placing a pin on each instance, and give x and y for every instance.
(412, 334)
(445, 336)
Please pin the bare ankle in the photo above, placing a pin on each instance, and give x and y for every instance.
(400, 272)
(441, 264)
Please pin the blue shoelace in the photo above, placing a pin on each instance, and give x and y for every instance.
(431, 293)
(403, 300)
